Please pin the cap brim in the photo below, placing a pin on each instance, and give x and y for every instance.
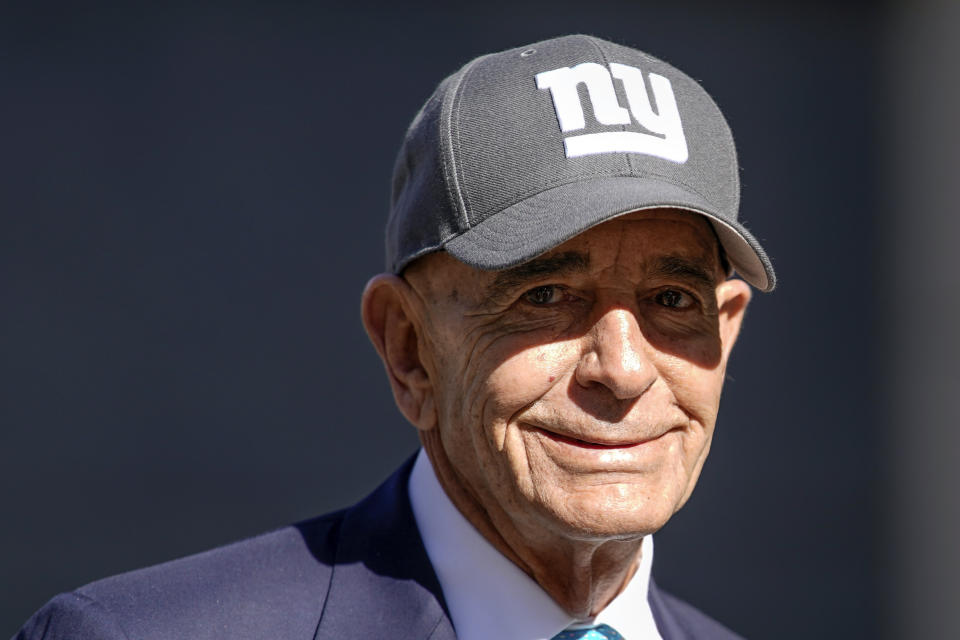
(532, 227)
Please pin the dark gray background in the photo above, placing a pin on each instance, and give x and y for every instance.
(193, 197)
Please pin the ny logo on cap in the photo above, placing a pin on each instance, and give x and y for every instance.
(665, 140)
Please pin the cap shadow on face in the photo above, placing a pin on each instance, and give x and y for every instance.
(612, 347)
(588, 270)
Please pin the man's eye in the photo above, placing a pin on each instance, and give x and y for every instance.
(674, 299)
(545, 295)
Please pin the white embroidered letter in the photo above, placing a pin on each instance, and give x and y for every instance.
(665, 121)
(562, 84)
(666, 138)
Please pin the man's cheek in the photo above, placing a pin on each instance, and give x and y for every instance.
(525, 375)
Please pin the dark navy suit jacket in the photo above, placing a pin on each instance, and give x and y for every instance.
(357, 573)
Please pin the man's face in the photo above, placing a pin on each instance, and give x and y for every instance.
(577, 393)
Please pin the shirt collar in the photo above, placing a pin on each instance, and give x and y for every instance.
(490, 597)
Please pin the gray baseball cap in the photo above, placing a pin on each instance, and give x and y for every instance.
(520, 151)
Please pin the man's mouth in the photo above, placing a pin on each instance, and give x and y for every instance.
(593, 443)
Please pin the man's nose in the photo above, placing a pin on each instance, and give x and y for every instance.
(616, 356)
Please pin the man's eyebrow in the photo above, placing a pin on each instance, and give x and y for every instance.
(538, 268)
(678, 267)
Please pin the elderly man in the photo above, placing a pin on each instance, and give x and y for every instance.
(556, 323)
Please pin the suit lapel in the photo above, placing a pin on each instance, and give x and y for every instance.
(382, 583)
(667, 623)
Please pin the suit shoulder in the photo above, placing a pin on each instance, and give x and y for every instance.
(71, 616)
(696, 623)
(271, 585)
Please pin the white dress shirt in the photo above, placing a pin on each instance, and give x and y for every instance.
(490, 597)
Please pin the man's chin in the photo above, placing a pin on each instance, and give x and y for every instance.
(622, 515)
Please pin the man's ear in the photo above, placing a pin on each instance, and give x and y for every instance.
(394, 328)
(733, 295)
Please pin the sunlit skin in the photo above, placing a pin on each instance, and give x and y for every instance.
(568, 404)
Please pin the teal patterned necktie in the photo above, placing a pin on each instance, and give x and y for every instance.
(599, 632)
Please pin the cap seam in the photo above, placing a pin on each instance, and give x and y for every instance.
(451, 172)
(623, 127)
(449, 165)
(457, 168)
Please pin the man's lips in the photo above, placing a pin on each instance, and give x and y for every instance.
(595, 443)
